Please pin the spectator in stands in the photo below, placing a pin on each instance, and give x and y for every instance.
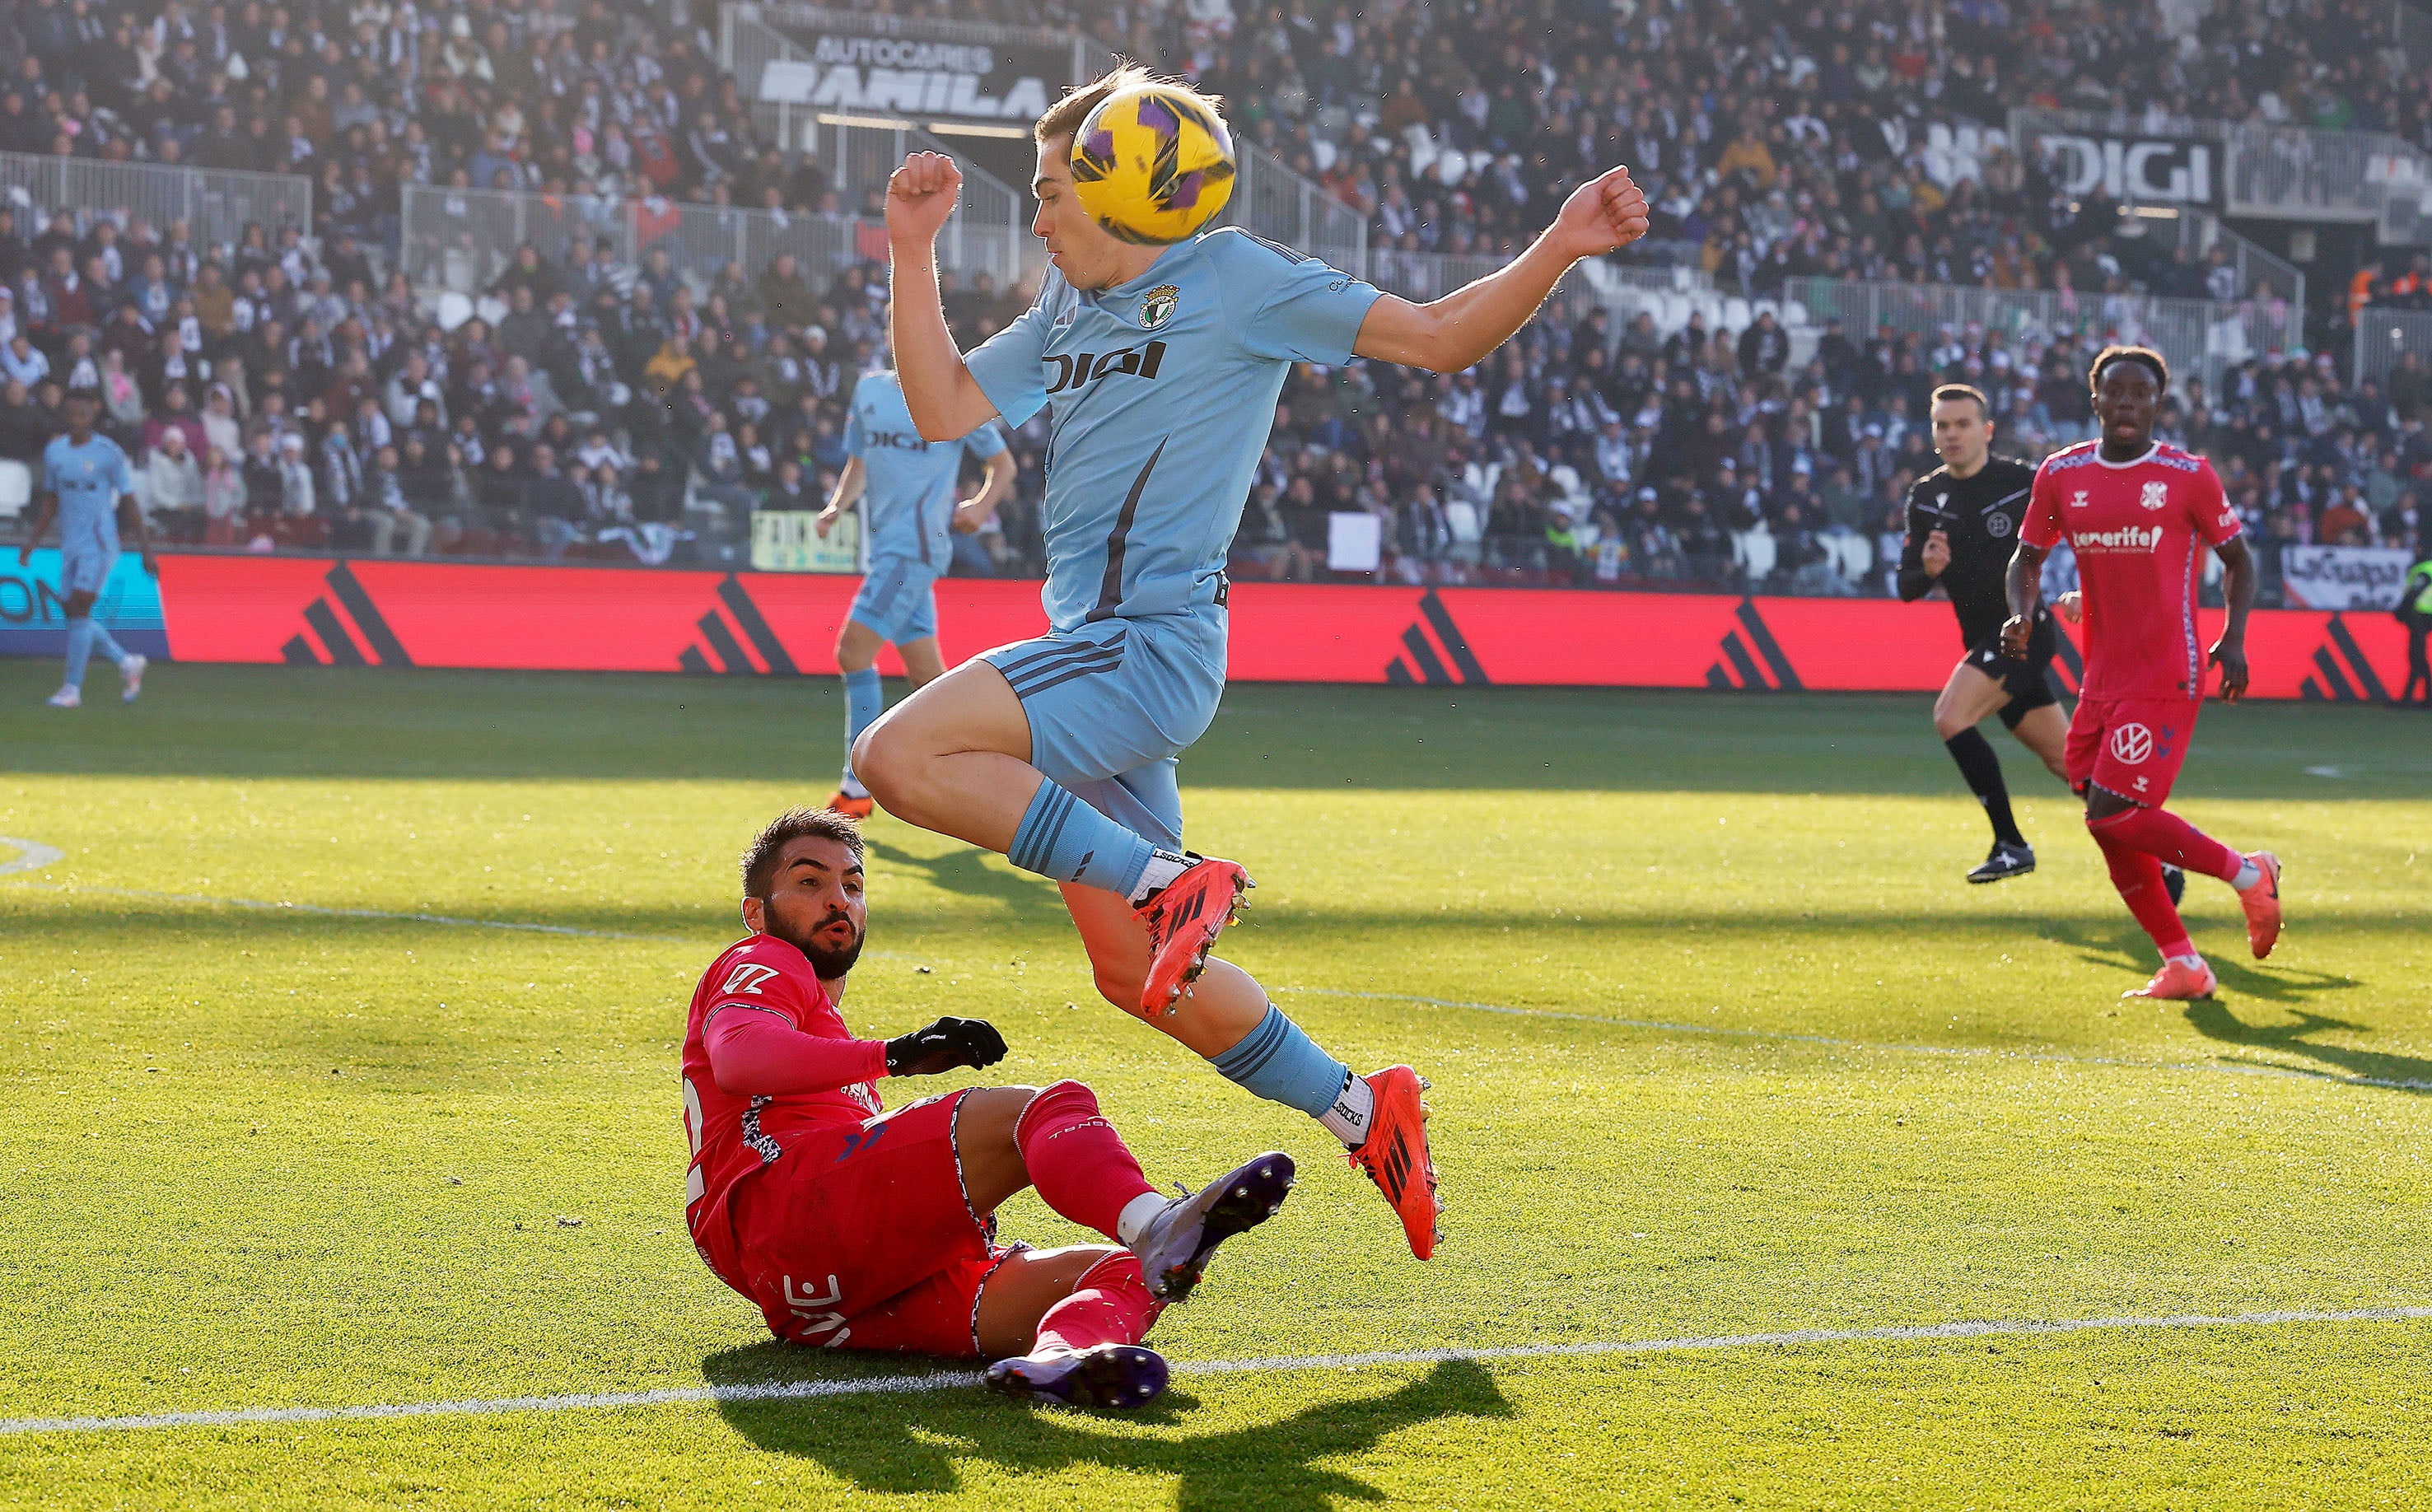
(173, 486)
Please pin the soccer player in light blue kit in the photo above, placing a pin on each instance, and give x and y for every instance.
(905, 485)
(84, 477)
(1159, 366)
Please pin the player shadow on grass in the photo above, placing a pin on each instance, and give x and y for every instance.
(964, 870)
(2124, 947)
(911, 1444)
(2214, 1020)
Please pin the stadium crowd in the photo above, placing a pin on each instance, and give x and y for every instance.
(273, 398)
(1775, 140)
(281, 392)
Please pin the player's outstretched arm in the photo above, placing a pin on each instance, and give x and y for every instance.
(2238, 592)
(2024, 587)
(945, 400)
(46, 508)
(974, 512)
(848, 493)
(1453, 332)
(754, 1052)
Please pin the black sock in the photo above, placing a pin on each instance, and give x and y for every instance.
(1982, 770)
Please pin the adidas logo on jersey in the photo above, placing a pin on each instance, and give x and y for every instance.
(1087, 368)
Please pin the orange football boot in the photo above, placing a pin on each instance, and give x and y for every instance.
(1395, 1156)
(2262, 905)
(851, 807)
(1184, 918)
(2177, 981)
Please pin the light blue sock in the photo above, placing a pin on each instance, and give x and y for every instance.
(864, 701)
(104, 646)
(1277, 1061)
(1066, 840)
(80, 649)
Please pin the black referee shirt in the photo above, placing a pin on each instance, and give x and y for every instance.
(1981, 515)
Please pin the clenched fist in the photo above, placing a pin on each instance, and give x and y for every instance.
(1603, 216)
(920, 196)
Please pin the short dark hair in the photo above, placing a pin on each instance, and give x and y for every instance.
(2151, 359)
(1961, 391)
(760, 856)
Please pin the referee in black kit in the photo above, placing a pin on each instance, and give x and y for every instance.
(1963, 525)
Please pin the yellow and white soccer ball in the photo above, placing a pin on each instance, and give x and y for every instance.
(1152, 164)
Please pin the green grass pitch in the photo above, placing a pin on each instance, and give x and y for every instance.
(1750, 1060)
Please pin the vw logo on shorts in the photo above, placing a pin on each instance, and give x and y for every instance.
(2132, 744)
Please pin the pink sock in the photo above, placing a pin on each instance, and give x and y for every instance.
(1109, 1305)
(2160, 833)
(1078, 1162)
(2138, 877)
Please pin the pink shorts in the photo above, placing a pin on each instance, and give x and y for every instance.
(862, 1239)
(2131, 746)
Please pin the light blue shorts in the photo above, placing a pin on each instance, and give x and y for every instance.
(85, 565)
(1112, 703)
(898, 600)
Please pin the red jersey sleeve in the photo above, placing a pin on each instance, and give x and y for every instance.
(2209, 507)
(755, 1052)
(2041, 527)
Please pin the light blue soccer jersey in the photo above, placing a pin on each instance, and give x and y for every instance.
(908, 493)
(1160, 392)
(89, 480)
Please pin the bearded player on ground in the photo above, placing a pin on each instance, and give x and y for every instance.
(2136, 511)
(861, 1228)
(1160, 366)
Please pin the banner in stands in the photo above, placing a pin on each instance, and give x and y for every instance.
(789, 541)
(2344, 577)
(34, 621)
(906, 76)
(317, 612)
(2136, 170)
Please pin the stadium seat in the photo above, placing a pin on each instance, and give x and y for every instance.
(1857, 557)
(1755, 553)
(16, 489)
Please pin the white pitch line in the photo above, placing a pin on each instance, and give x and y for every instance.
(269, 906)
(30, 856)
(1955, 1052)
(38, 855)
(947, 1380)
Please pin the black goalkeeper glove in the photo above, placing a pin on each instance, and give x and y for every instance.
(943, 1046)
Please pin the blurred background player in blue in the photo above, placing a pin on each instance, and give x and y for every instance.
(86, 482)
(906, 486)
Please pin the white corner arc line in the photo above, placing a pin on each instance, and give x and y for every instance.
(947, 1380)
(31, 856)
(1882, 1047)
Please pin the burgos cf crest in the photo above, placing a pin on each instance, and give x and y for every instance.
(2157, 496)
(1160, 305)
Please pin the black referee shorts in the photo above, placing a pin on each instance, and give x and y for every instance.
(2027, 681)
